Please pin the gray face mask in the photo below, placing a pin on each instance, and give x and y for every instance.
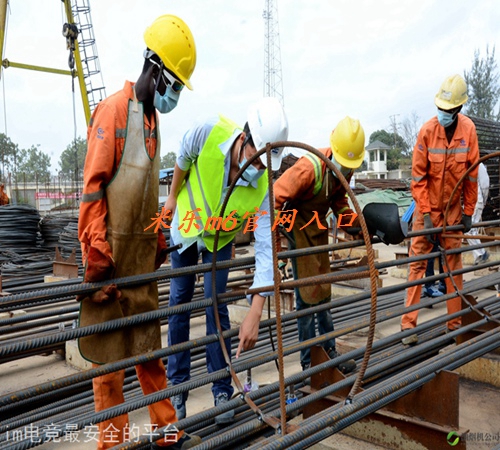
(343, 170)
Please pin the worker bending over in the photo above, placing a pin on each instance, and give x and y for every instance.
(210, 156)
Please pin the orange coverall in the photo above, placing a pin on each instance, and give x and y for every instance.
(436, 169)
(4, 199)
(105, 142)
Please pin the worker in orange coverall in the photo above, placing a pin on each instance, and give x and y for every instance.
(120, 196)
(446, 147)
(4, 199)
(310, 188)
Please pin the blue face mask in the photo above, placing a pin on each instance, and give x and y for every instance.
(251, 173)
(166, 102)
(343, 170)
(445, 118)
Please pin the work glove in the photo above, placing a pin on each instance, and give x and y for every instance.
(106, 293)
(99, 266)
(349, 225)
(161, 250)
(354, 228)
(427, 226)
(466, 222)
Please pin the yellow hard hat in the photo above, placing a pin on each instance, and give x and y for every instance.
(171, 39)
(348, 143)
(453, 93)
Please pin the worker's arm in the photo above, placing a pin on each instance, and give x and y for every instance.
(419, 173)
(98, 172)
(191, 145)
(263, 276)
(177, 180)
(296, 183)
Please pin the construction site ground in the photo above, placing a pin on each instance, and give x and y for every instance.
(479, 402)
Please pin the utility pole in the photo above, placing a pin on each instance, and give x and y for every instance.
(394, 128)
(273, 77)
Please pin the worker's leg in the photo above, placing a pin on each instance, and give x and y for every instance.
(306, 329)
(108, 392)
(325, 325)
(454, 262)
(419, 246)
(215, 357)
(478, 252)
(151, 375)
(181, 291)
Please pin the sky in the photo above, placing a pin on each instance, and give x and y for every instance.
(369, 59)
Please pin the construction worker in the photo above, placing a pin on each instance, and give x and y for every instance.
(480, 254)
(310, 188)
(210, 156)
(4, 199)
(120, 195)
(446, 147)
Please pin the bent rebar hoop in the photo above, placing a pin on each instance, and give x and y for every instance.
(444, 251)
(373, 272)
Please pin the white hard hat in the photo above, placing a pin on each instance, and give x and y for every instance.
(268, 123)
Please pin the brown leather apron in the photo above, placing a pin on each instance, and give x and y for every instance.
(312, 236)
(132, 198)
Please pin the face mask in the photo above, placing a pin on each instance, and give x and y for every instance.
(251, 173)
(343, 170)
(166, 102)
(445, 118)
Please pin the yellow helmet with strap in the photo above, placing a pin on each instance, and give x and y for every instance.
(171, 39)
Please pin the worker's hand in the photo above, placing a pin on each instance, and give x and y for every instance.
(170, 204)
(427, 226)
(161, 250)
(249, 330)
(107, 293)
(466, 222)
(350, 226)
(99, 266)
(355, 229)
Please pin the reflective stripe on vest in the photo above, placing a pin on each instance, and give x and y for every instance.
(318, 176)
(203, 189)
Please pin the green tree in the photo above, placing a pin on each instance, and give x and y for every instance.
(33, 165)
(399, 148)
(9, 155)
(168, 160)
(73, 159)
(482, 86)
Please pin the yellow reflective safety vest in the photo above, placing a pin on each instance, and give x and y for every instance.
(199, 202)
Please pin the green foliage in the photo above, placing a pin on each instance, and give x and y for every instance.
(8, 157)
(399, 149)
(168, 160)
(483, 88)
(33, 165)
(73, 159)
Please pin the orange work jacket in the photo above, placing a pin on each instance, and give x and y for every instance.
(438, 166)
(105, 142)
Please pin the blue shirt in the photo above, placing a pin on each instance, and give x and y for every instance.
(191, 145)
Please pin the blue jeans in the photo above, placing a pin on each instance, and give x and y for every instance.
(181, 291)
(307, 327)
(429, 270)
